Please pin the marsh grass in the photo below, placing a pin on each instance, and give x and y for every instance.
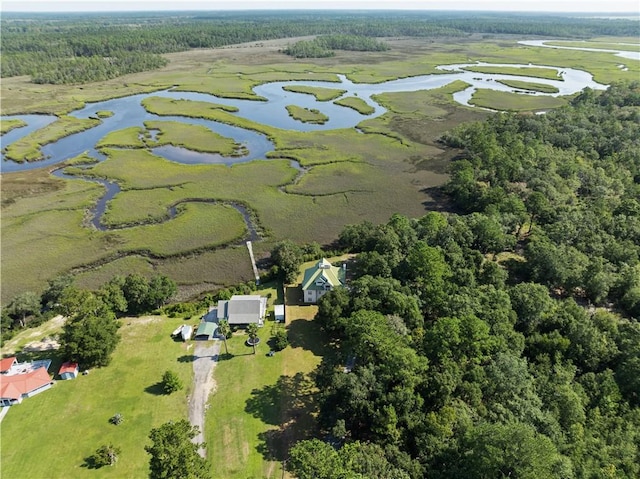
(507, 101)
(392, 165)
(357, 104)
(320, 93)
(168, 106)
(197, 226)
(525, 85)
(93, 278)
(10, 124)
(104, 114)
(193, 137)
(628, 44)
(536, 72)
(306, 115)
(28, 147)
(126, 138)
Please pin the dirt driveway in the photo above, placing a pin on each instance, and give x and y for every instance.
(205, 359)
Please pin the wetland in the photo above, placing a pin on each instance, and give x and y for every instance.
(155, 153)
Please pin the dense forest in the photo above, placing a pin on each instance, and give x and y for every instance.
(81, 48)
(503, 340)
(324, 46)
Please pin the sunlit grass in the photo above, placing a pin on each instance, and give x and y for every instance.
(320, 93)
(10, 124)
(514, 102)
(67, 423)
(28, 147)
(358, 104)
(525, 85)
(192, 137)
(536, 72)
(306, 115)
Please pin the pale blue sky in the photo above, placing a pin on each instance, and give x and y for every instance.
(632, 6)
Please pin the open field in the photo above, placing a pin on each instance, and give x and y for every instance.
(388, 165)
(66, 424)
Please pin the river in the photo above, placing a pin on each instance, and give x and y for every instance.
(128, 112)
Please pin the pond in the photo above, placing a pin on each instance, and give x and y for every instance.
(128, 112)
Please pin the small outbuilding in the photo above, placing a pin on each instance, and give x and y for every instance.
(206, 330)
(278, 313)
(69, 370)
(186, 332)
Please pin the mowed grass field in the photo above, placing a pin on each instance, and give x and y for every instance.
(260, 406)
(263, 405)
(388, 165)
(51, 434)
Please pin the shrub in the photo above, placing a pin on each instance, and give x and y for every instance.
(171, 382)
(106, 455)
(116, 419)
(280, 340)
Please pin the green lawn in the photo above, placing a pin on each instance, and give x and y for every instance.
(51, 434)
(260, 407)
(263, 404)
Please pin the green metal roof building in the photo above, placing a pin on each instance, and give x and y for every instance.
(320, 279)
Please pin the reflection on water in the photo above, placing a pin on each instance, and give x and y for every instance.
(128, 112)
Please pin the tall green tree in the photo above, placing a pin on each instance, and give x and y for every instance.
(252, 331)
(55, 290)
(90, 334)
(287, 256)
(225, 330)
(173, 454)
(23, 306)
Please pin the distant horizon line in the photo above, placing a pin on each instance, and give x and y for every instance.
(298, 9)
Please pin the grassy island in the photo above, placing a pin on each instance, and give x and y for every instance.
(307, 115)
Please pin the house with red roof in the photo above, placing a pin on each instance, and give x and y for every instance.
(69, 370)
(7, 363)
(15, 387)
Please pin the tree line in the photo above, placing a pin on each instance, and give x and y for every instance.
(90, 47)
(324, 46)
(90, 332)
(476, 346)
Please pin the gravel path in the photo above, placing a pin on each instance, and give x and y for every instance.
(205, 357)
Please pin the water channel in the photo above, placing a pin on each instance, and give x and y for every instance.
(129, 112)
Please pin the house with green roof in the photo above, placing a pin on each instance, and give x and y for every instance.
(320, 279)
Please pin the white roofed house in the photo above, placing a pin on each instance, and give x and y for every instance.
(243, 309)
(320, 279)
